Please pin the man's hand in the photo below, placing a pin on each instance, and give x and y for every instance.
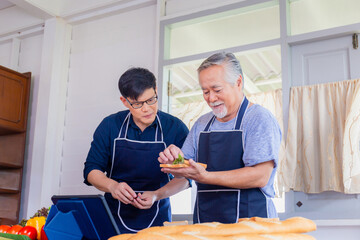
(169, 154)
(194, 171)
(144, 200)
(123, 192)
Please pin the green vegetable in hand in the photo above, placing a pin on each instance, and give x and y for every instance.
(179, 160)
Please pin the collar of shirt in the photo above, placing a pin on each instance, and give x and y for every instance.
(133, 124)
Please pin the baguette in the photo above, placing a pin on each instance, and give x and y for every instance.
(254, 228)
(199, 236)
(254, 225)
(181, 165)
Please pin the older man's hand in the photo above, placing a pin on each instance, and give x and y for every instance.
(169, 154)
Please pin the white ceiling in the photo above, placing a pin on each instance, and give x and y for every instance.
(5, 4)
(72, 10)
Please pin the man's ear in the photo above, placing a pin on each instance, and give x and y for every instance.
(239, 82)
(123, 100)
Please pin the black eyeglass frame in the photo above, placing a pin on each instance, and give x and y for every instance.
(142, 103)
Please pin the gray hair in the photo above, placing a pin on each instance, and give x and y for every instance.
(228, 61)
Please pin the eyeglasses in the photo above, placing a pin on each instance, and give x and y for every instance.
(137, 105)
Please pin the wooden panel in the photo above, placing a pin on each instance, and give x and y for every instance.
(12, 149)
(10, 180)
(14, 96)
(9, 208)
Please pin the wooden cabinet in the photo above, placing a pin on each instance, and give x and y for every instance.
(14, 101)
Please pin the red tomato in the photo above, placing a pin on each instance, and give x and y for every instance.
(43, 234)
(14, 229)
(4, 228)
(29, 231)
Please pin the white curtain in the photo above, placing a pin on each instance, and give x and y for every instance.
(323, 138)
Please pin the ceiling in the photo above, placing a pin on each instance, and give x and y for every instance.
(73, 10)
(5, 4)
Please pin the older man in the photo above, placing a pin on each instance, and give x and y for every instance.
(239, 141)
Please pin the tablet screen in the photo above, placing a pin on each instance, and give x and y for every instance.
(92, 214)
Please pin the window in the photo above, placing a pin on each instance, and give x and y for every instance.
(308, 15)
(254, 23)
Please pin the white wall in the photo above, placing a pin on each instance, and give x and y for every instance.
(5, 53)
(101, 51)
(29, 61)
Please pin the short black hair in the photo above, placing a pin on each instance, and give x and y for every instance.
(135, 81)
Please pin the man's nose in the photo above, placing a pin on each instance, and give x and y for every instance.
(144, 107)
(212, 97)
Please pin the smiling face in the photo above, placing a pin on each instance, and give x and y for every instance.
(223, 97)
(144, 116)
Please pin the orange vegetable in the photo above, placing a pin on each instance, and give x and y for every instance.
(37, 223)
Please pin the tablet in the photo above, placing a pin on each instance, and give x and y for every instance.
(92, 214)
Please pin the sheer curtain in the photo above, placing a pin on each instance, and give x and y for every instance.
(323, 138)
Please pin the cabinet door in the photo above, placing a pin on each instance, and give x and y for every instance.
(12, 150)
(14, 97)
(9, 208)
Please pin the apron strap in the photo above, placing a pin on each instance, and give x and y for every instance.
(123, 130)
(136, 230)
(159, 137)
(241, 112)
(209, 124)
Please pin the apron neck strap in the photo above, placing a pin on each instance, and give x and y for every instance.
(209, 123)
(241, 113)
(158, 135)
(125, 125)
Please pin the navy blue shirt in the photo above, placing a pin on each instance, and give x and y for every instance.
(101, 150)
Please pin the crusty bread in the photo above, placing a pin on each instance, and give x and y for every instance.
(253, 225)
(193, 236)
(246, 229)
(185, 164)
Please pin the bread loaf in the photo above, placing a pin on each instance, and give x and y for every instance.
(193, 236)
(253, 225)
(246, 229)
